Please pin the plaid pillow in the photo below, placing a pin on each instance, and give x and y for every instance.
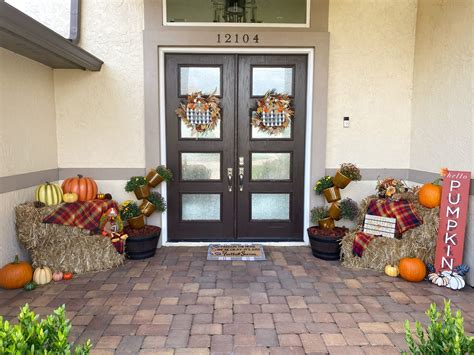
(403, 211)
(360, 243)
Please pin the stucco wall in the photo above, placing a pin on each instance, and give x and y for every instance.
(442, 127)
(27, 135)
(100, 115)
(370, 80)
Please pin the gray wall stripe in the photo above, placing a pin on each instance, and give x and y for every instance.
(23, 181)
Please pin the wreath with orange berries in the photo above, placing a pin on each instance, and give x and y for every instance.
(200, 112)
(273, 114)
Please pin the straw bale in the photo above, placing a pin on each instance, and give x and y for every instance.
(60, 247)
(417, 242)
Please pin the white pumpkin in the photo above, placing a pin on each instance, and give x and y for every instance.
(456, 281)
(42, 275)
(438, 279)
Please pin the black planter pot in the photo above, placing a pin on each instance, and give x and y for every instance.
(324, 247)
(142, 243)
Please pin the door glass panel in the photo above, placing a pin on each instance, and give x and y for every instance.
(201, 207)
(270, 206)
(238, 12)
(187, 132)
(200, 166)
(205, 79)
(268, 78)
(271, 166)
(258, 134)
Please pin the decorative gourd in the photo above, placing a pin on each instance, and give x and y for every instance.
(438, 279)
(16, 274)
(412, 269)
(84, 187)
(67, 276)
(430, 195)
(70, 197)
(456, 281)
(42, 275)
(57, 276)
(49, 194)
(391, 270)
(30, 286)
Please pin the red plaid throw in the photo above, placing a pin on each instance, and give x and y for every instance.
(360, 243)
(84, 215)
(403, 211)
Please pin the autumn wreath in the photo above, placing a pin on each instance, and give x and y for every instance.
(200, 112)
(273, 113)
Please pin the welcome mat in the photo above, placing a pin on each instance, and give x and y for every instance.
(243, 252)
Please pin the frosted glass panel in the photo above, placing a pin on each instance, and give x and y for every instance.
(201, 207)
(201, 166)
(267, 78)
(257, 134)
(205, 79)
(188, 133)
(270, 206)
(271, 166)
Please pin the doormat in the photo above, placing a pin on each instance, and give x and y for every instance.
(243, 252)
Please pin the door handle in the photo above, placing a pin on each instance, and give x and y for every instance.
(229, 179)
(241, 179)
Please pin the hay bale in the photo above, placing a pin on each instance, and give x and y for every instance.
(62, 247)
(417, 242)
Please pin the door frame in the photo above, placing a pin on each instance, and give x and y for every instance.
(308, 134)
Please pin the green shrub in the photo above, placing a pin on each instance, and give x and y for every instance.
(134, 182)
(158, 200)
(443, 336)
(32, 336)
(165, 173)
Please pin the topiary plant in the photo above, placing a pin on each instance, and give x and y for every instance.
(134, 182)
(323, 184)
(33, 336)
(165, 173)
(442, 336)
(349, 209)
(158, 200)
(318, 213)
(129, 209)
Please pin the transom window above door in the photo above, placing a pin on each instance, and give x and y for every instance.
(250, 13)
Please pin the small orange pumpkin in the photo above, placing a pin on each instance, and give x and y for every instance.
(16, 274)
(412, 269)
(67, 276)
(430, 195)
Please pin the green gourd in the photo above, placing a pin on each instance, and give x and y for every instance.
(30, 286)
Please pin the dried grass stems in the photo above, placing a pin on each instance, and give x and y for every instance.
(62, 248)
(417, 242)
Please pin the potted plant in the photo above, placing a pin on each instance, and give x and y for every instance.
(158, 175)
(139, 185)
(326, 186)
(141, 243)
(349, 209)
(320, 215)
(154, 202)
(130, 212)
(347, 172)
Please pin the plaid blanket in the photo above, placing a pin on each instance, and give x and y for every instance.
(403, 211)
(361, 242)
(84, 215)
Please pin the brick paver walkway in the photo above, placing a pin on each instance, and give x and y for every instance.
(293, 303)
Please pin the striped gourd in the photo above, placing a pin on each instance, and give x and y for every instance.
(49, 194)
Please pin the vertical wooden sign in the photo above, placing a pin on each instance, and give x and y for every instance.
(452, 220)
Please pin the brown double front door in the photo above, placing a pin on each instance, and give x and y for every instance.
(235, 182)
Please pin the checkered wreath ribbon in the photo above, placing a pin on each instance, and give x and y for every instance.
(361, 242)
(84, 215)
(403, 211)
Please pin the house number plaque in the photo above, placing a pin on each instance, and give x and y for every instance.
(237, 38)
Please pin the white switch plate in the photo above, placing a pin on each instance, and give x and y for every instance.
(345, 122)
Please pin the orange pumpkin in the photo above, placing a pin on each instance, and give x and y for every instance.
(67, 276)
(16, 274)
(430, 195)
(84, 187)
(412, 269)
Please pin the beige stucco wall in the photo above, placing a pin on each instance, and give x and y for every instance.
(27, 116)
(370, 80)
(100, 115)
(27, 135)
(442, 126)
